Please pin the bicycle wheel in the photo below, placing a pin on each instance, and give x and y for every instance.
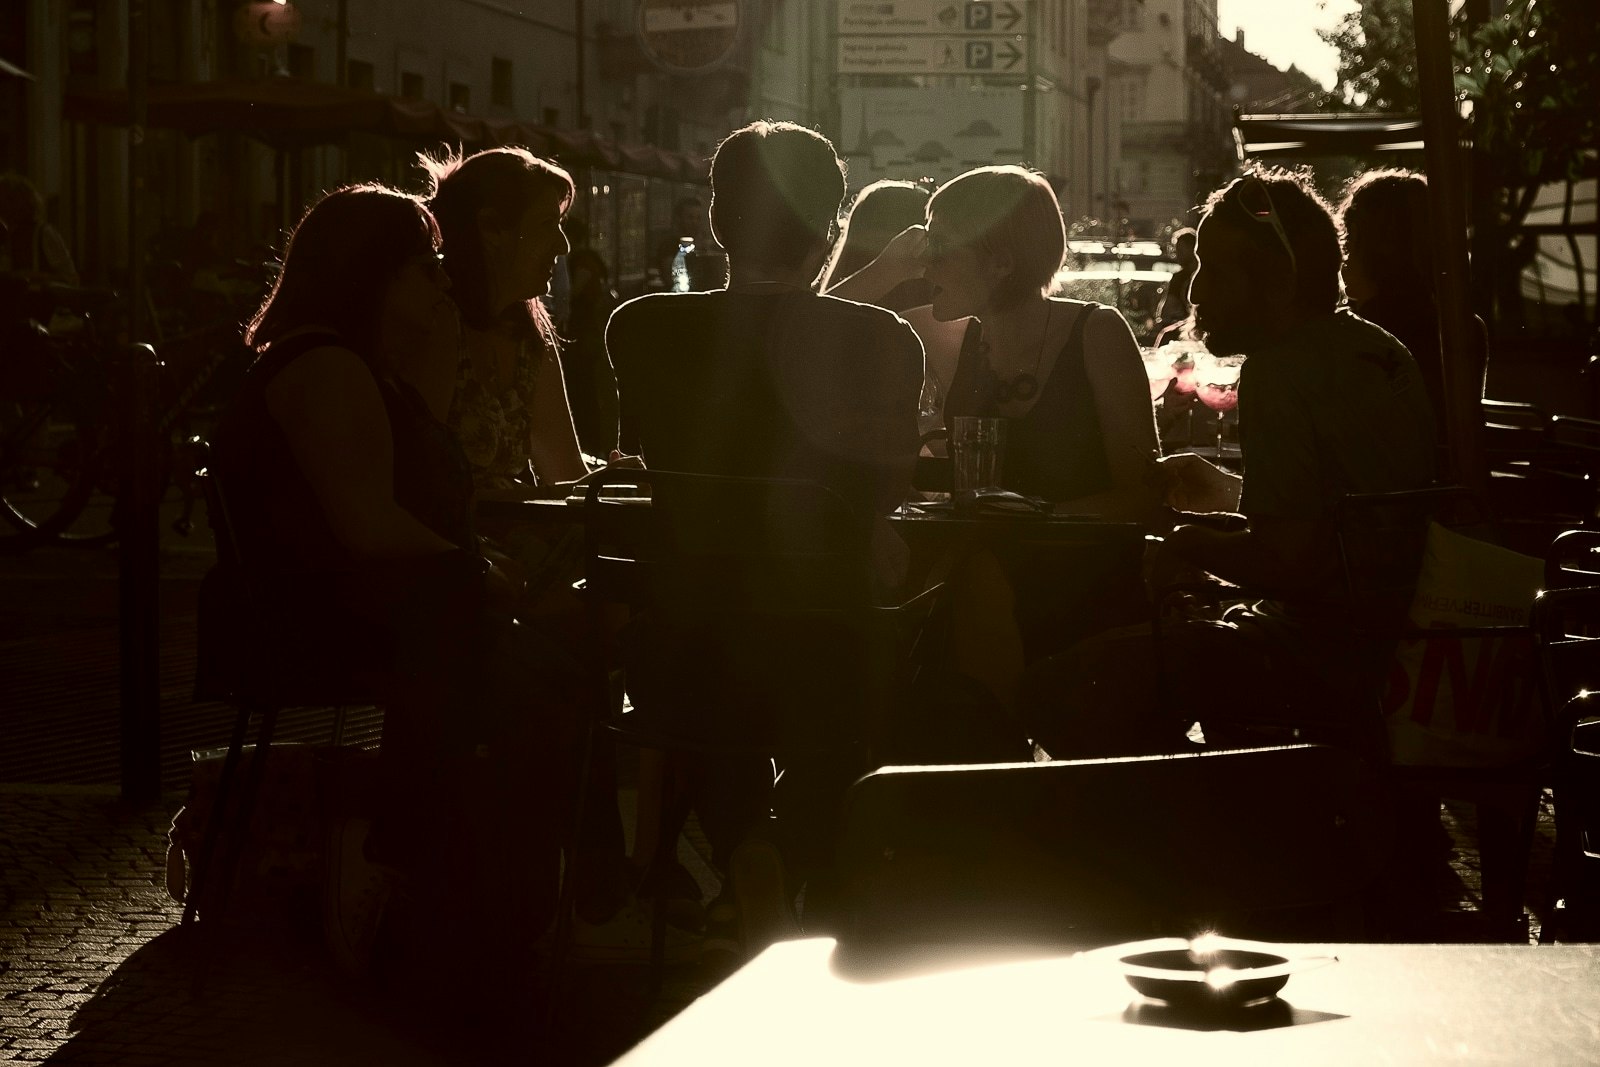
(51, 466)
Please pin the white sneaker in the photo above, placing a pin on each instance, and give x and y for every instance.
(354, 895)
(626, 937)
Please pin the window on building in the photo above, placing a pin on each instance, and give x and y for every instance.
(359, 74)
(1133, 100)
(459, 97)
(500, 88)
(1133, 15)
(82, 56)
(411, 86)
(302, 62)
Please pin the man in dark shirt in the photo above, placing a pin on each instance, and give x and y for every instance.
(766, 378)
(1329, 405)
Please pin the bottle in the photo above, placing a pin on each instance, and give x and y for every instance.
(680, 265)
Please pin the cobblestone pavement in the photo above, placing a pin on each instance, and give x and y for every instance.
(94, 969)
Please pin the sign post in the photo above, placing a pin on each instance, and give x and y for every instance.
(689, 36)
(987, 43)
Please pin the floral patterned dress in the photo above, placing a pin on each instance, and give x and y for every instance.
(495, 425)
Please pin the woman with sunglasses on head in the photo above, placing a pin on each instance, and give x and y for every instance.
(350, 504)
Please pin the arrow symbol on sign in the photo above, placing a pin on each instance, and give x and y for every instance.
(1010, 53)
(1009, 16)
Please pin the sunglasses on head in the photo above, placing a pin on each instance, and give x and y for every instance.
(1257, 204)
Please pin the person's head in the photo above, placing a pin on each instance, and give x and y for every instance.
(879, 211)
(21, 206)
(21, 212)
(689, 218)
(1182, 246)
(500, 211)
(995, 240)
(1268, 251)
(363, 261)
(775, 193)
(1385, 217)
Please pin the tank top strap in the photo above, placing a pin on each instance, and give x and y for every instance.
(1074, 349)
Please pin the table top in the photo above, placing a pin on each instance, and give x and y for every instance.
(914, 519)
(801, 1002)
(911, 519)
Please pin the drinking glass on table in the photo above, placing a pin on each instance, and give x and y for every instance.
(1159, 369)
(977, 450)
(1217, 387)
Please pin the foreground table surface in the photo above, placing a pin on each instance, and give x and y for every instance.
(800, 1002)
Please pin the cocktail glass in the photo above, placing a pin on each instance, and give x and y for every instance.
(1218, 387)
(1158, 368)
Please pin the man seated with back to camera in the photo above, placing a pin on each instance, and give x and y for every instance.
(1328, 405)
(769, 379)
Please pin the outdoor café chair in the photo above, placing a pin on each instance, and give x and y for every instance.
(262, 671)
(1566, 627)
(754, 632)
(1254, 842)
(1573, 559)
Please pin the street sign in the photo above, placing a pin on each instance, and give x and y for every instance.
(939, 131)
(933, 16)
(688, 36)
(930, 55)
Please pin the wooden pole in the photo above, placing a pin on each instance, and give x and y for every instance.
(137, 517)
(1460, 339)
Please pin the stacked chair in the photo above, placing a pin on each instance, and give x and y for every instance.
(262, 671)
(1566, 623)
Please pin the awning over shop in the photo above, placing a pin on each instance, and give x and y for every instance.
(288, 113)
(1255, 136)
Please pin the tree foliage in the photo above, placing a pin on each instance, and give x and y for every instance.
(1531, 76)
(1533, 79)
(1377, 59)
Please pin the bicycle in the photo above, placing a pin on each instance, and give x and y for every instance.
(59, 424)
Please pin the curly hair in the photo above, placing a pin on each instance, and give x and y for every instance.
(1385, 217)
(1309, 226)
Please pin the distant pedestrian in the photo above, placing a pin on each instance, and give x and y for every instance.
(32, 246)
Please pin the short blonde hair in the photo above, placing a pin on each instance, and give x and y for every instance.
(1006, 209)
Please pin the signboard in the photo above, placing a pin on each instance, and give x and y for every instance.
(933, 16)
(688, 36)
(930, 55)
(264, 24)
(935, 132)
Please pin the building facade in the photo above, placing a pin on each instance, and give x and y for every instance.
(584, 82)
(1170, 90)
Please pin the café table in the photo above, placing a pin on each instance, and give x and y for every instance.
(942, 522)
(810, 1003)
